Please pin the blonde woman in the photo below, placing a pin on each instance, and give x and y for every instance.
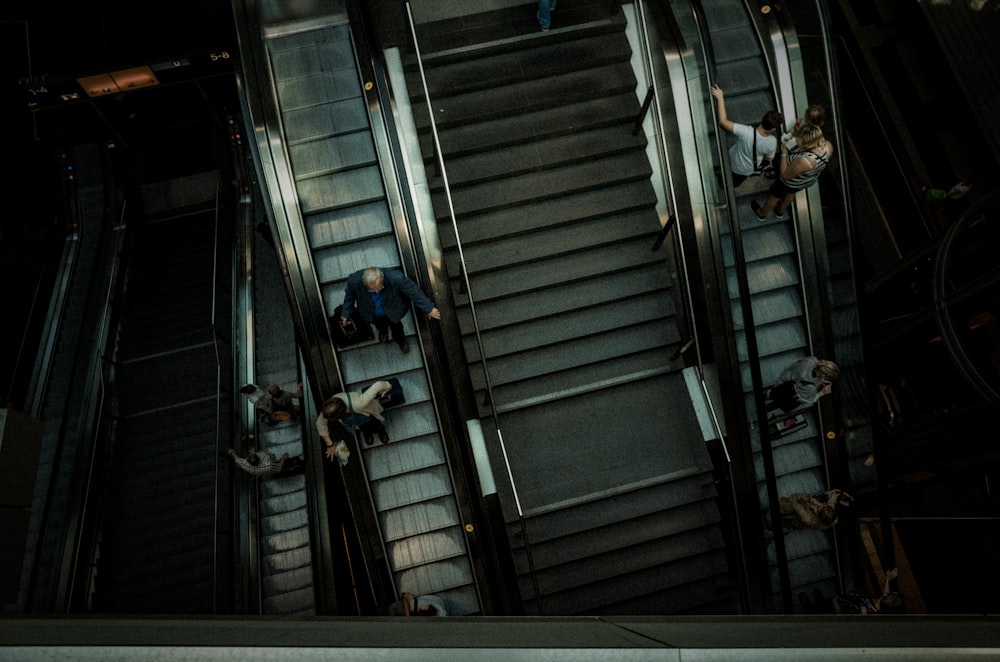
(354, 410)
(803, 382)
(797, 171)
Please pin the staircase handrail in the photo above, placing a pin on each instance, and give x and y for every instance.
(472, 306)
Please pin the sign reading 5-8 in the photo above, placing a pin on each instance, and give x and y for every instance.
(188, 67)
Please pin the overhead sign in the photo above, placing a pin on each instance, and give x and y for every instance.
(189, 67)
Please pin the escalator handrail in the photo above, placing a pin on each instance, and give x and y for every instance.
(301, 281)
(245, 501)
(670, 186)
(749, 328)
(72, 583)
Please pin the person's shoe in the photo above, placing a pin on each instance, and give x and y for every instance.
(404, 347)
(383, 337)
(544, 29)
(755, 206)
(383, 436)
(369, 438)
(779, 214)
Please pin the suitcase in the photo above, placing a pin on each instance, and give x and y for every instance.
(351, 333)
(394, 397)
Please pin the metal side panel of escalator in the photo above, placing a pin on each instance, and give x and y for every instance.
(349, 224)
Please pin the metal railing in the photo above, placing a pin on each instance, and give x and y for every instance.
(443, 174)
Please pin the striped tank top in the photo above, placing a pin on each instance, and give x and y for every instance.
(805, 179)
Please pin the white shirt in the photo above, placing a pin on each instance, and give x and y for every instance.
(740, 159)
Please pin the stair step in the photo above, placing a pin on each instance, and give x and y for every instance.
(332, 227)
(615, 199)
(774, 338)
(332, 118)
(289, 581)
(771, 306)
(341, 189)
(331, 154)
(419, 518)
(180, 377)
(582, 377)
(418, 549)
(509, 29)
(503, 132)
(317, 87)
(627, 534)
(778, 272)
(591, 293)
(646, 500)
(279, 518)
(624, 558)
(573, 179)
(294, 603)
(672, 576)
(541, 154)
(287, 560)
(706, 596)
(393, 459)
(534, 60)
(629, 256)
(509, 253)
(649, 338)
(530, 96)
(763, 243)
(403, 490)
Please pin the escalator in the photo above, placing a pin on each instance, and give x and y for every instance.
(158, 542)
(320, 154)
(54, 396)
(779, 262)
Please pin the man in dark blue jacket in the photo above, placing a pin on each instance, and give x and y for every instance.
(382, 297)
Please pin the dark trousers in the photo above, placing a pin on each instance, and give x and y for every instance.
(292, 466)
(384, 325)
(784, 396)
(372, 428)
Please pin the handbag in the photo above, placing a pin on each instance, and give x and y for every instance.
(394, 397)
(766, 167)
(350, 332)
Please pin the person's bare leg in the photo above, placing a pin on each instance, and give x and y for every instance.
(765, 210)
(781, 207)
